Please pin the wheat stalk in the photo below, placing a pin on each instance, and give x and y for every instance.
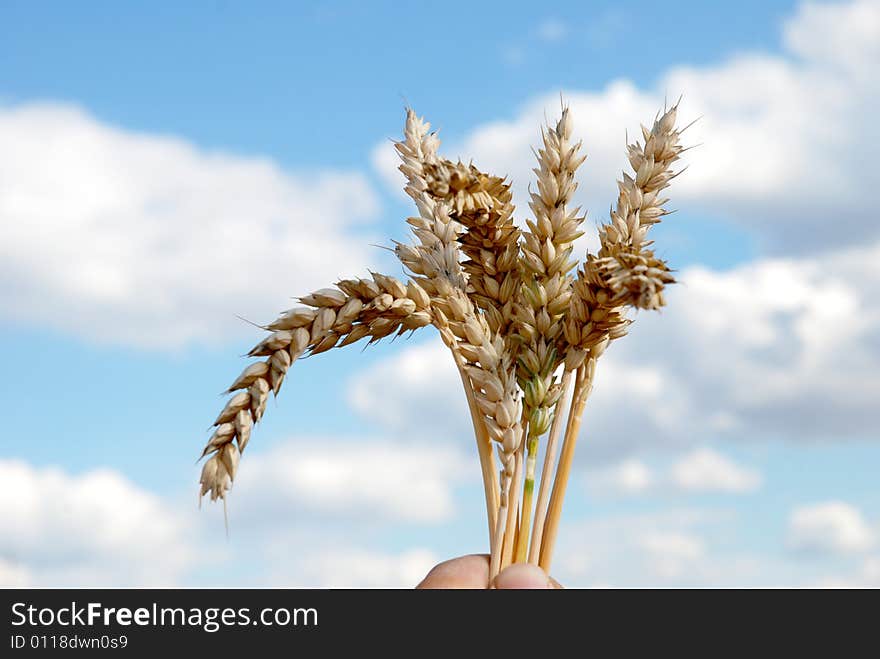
(547, 470)
(583, 386)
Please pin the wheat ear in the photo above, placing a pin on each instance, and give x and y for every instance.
(492, 377)
(625, 274)
(434, 262)
(545, 294)
(355, 309)
(479, 353)
(482, 204)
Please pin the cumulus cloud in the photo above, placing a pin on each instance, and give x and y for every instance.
(385, 162)
(318, 476)
(316, 511)
(701, 471)
(360, 568)
(705, 470)
(773, 349)
(670, 553)
(94, 529)
(866, 575)
(151, 241)
(298, 516)
(784, 138)
(628, 477)
(831, 527)
(673, 547)
(419, 382)
(13, 575)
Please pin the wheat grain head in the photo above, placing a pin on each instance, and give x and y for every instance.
(355, 309)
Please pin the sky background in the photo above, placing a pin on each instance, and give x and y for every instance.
(165, 169)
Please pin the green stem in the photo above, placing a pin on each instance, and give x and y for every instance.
(522, 543)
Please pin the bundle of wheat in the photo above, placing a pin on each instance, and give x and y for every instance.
(525, 333)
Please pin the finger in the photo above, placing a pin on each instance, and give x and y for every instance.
(470, 571)
(522, 576)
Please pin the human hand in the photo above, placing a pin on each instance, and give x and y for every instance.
(472, 571)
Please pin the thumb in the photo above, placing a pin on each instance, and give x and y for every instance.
(522, 576)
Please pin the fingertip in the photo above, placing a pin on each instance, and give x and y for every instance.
(522, 576)
(470, 571)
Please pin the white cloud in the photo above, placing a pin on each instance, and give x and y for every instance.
(831, 527)
(94, 529)
(705, 470)
(409, 482)
(385, 161)
(774, 349)
(359, 568)
(360, 512)
(416, 388)
(866, 575)
(298, 516)
(629, 477)
(149, 240)
(13, 575)
(871, 569)
(671, 547)
(671, 553)
(699, 472)
(786, 139)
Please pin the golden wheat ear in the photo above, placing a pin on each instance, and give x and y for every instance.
(354, 309)
(483, 205)
(480, 352)
(625, 274)
(545, 291)
(481, 208)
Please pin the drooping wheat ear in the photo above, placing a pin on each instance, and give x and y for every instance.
(483, 205)
(546, 290)
(625, 274)
(355, 309)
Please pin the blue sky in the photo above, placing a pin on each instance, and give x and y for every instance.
(278, 79)
(164, 169)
